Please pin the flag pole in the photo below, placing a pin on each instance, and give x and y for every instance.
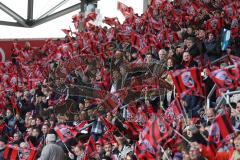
(66, 147)
(184, 138)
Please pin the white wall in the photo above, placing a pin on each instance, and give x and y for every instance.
(53, 28)
(108, 8)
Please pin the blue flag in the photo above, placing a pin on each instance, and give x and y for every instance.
(226, 34)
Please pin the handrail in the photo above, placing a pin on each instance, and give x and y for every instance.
(210, 95)
(219, 59)
(227, 94)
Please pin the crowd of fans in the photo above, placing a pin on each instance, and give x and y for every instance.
(107, 93)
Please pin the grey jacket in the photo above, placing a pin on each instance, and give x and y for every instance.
(52, 152)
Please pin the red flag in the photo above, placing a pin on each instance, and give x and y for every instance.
(133, 127)
(220, 131)
(76, 20)
(10, 153)
(156, 131)
(225, 125)
(110, 102)
(132, 108)
(14, 105)
(63, 132)
(124, 9)
(143, 153)
(110, 127)
(91, 16)
(90, 148)
(135, 40)
(111, 21)
(32, 154)
(174, 139)
(188, 81)
(66, 31)
(225, 78)
(108, 137)
(122, 37)
(178, 109)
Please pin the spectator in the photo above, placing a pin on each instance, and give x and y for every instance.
(10, 121)
(51, 151)
(99, 149)
(45, 130)
(162, 55)
(188, 61)
(212, 48)
(192, 48)
(35, 137)
(78, 152)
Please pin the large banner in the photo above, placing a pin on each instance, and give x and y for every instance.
(7, 45)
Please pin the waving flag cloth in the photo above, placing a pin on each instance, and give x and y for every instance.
(14, 105)
(108, 137)
(124, 9)
(64, 132)
(156, 132)
(90, 149)
(133, 127)
(111, 21)
(225, 78)
(188, 81)
(76, 20)
(175, 110)
(225, 125)
(220, 131)
(143, 153)
(110, 127)
(110, 101)
(91, 16)
(10, 153)
(135, 40)
(32, 154)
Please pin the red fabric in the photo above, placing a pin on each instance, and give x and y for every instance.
(2, 127)
(142, 153)
(158, 131)
(111, 21)
(135, 40)
(10, 153)
(133, 127)
(188, 81)
(64, 133)
(76, 20)
(110, 127)
(66, 31)
(33, 154)
(91, 16)
(14, 105)
(225, 78)
(90, 148)
(178, 108)
(109, 101)
(108, 137)
(225, 125)
(124, 9)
